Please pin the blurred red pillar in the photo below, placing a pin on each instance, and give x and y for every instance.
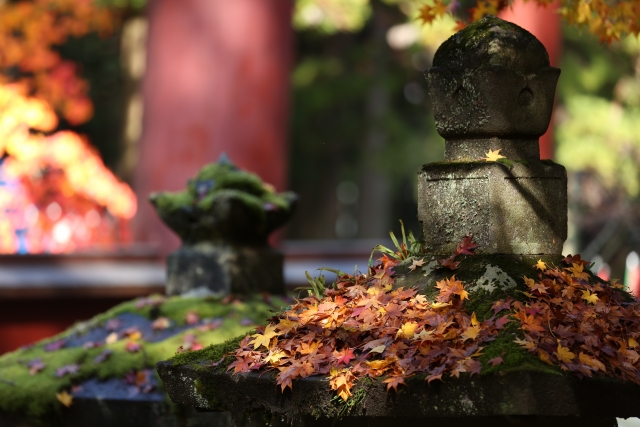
(217, 81)
(544, 23)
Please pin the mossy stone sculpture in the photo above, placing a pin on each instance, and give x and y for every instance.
(492, 89)
(224, 218)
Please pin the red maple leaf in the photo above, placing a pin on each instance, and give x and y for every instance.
(575, 259)
(495, 361)
(344, 356)
(450, 263)
(466, 246)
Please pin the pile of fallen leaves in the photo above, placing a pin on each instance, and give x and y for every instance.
(365, 327)
(580, 323)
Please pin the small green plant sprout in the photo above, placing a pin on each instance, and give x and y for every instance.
(410, 246)
(317, 286)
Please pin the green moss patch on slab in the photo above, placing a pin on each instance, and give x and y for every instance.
(33, 396)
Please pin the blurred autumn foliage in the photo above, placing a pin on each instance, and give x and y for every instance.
(56, 193)
(29, 31)
(609, 20)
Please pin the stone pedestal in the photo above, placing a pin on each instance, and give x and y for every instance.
(225, 269)
(509, 210)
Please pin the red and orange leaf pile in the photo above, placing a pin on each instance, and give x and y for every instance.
(580, 323)
(364, 327)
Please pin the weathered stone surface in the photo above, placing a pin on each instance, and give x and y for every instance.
(519, 210)
(492, 79)
(98, 411)
(492, 41)
(517, 393)
(237, 269)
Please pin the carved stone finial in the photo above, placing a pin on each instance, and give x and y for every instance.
(492, 85)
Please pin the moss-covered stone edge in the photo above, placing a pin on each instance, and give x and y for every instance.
(33, 396)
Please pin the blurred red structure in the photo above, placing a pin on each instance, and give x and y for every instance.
(544, 23)
(217, 81)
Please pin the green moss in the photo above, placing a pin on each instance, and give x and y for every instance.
(171, 201)
(214, 352)
(33, 396)
(253, 204)
(227, 176)
(514, 357)
(224, 203)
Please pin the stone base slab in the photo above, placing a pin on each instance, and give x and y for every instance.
(519, 393)
(225, 269)
(509, 210)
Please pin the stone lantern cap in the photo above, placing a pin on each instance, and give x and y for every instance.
(492, 83)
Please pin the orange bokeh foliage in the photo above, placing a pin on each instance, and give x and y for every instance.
(29, 30)
(56, 195)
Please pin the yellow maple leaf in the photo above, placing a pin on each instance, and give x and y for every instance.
(471, 332)
(529, 345)
(264, 339)
(564, 354)
(632, 343)
(285, 325)
(577, 271)
(341, 381)
(493, 156)
(541, 265)
(616, 285)
(416, 263)
(381, 364)
(529, 282)
(474, 319)
(438, 305)
(544, 356)
(407, 330)
(585, 359)
(591, 298)
(65, 398)
(274, 356)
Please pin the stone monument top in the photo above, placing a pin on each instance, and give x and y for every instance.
(492, 87)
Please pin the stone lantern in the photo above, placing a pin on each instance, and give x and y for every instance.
(492, 89)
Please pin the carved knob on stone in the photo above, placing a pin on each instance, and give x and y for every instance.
(491, 85)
